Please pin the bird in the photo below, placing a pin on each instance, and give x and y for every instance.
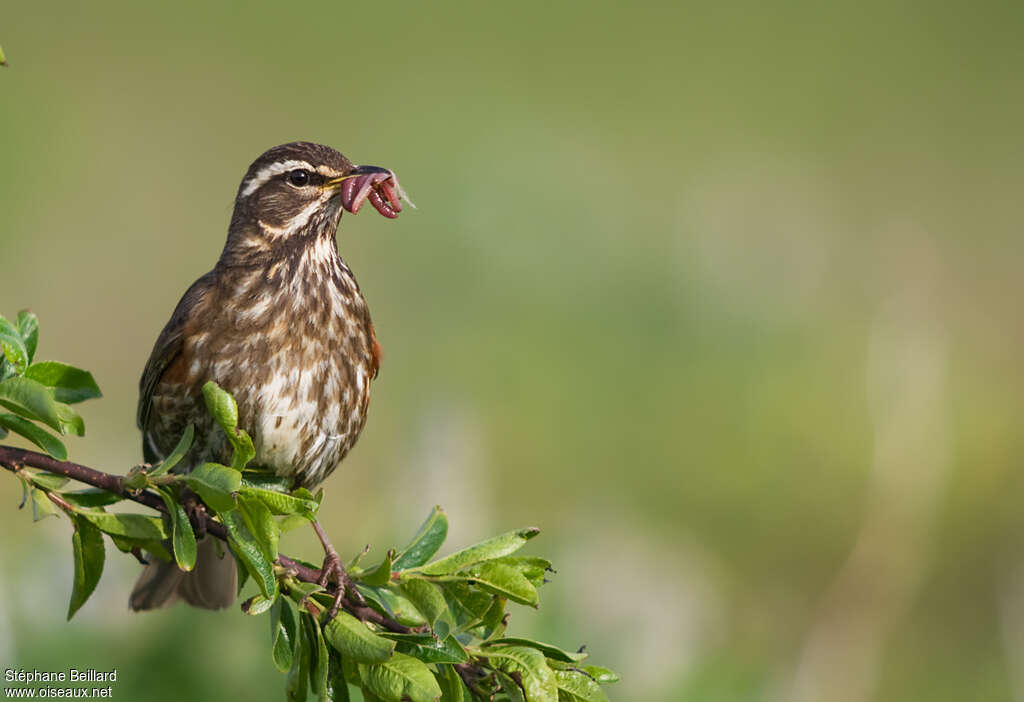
(281, 324)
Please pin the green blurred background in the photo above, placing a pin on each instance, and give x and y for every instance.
(723, 298)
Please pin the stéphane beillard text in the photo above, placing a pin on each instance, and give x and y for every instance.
(23, 675)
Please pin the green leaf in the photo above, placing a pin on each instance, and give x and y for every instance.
(537, 679)
(452, 687)
(49, 481)
(182, 536)
(298, 676)
(225, 412)
(426, 598)
(71, 421)
(221, 406)
(215, 484)
(354, 641)
(265, 480)
(467, 605)
(510, 687)
(175, 456)
(504, 580)
(282, 633)
(87, 543)
(430, 650)
(547, 649)
(69, 384)
(353, 564)
(90, 498)
(32, 400)
(3, 59)
(579, 687)
(132, 526)
(401, 678)
(299, 590)
(337, 685)
(535, 569)
(380, 574)
(496, 547)
(427, 541)
(12, 345)
(155, 548)
(257, 605)
(243, 572)
(349, 669)
(281, 503)
(28, 327)
(601, 675)
(244, 545)
(291, 523)
(244, 450)
(261, 525)
(392, 604)
(25, 487)
(319, 659)
(494, 622)
(42, 507)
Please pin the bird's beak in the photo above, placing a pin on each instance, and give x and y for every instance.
(378, 185)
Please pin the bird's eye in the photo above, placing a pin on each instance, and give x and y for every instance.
(298, 177)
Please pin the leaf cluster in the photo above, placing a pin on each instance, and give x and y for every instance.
(456, 609)
(38, 394)
(424, 628)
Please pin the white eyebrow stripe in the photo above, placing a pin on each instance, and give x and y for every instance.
(268, 172)
(329, 172)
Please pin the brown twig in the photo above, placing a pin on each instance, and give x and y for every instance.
(60, 502)
(13, 459)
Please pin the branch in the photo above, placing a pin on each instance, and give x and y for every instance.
(456, 648)
(13, 459)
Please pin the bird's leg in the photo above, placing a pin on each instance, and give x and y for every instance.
(332, 565)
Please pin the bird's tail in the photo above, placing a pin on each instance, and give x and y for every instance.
(211, 584)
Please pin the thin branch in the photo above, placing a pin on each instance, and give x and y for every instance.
(60, 502)
(13, 459)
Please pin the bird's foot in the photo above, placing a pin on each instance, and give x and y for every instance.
(332, 567)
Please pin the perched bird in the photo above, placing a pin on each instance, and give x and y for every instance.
(279, 323)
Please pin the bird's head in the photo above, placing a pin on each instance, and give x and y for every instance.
(296, 192)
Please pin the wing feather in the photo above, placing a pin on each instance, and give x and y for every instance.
(166, 349)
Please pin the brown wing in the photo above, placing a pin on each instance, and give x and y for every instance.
(166, 349)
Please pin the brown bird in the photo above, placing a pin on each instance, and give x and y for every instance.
(279, 323)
